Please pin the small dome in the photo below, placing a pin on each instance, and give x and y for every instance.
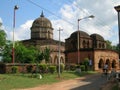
(97, 37)
(81, 33)
(42, 22)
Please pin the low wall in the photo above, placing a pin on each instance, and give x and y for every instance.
(7, 67)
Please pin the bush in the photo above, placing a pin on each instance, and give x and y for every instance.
(82, 67)
(14, 69)
(52, 69)
(86, 63)
(2, 68)
(62, 66)
(73, 67)
(29, 68)
(43, 68)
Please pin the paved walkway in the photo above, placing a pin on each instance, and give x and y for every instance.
(89, 82)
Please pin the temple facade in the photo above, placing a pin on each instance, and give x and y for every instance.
(92, 47)
(42, 37)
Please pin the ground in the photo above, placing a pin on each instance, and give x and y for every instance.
(89, 82)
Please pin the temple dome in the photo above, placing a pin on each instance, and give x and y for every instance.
(97, 37)
(42, 22)
(81, 33)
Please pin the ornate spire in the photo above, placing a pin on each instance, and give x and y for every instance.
(42, 15)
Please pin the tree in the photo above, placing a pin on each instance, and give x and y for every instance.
(108, 44)
(86, 63)
(40, 56)
(47, 54)
(7, 52)
(2, 37)
(23, 54)
(117, 48)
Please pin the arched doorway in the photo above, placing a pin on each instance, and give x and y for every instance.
(100, 64)
(61, 60)
(56, 60)
(108, 63)
(113, 64)
(50, 60)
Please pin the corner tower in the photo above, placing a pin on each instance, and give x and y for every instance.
(42, 28)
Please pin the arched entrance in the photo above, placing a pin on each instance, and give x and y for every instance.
(108, 63)
(62, 60)
(113, 64)
(50, 60)
(56, 60)
(100, 64)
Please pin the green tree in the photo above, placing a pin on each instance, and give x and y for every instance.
(86, 63)
(108, 44)
(22, 54)
(25, 54)
(40, 57)
(2, 37)
(117, 48)
(47, 54)
(7, 52)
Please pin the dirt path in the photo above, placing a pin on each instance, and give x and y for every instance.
(90, 82)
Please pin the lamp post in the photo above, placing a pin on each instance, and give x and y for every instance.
(59, 54)
(78, 36)
(13, 48)
(117, 8)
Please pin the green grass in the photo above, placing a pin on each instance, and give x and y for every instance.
(16, 81)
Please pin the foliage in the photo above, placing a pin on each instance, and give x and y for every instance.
(2, 68)
(52, 69)
(2, 37)
(7, 53)
(25, 54)
(82, 67)
(14, 69)
(43, 68)
(86, 63)
(62, 67)
(117, 48)
(22, 54)
(73, 67)
(113, 47)
(29, 68)
(47, 54)
(39, 57)
(108, 44)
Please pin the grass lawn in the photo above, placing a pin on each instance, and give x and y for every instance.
(15, 81)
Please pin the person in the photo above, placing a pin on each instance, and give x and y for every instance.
(90, 64)
(105, 69)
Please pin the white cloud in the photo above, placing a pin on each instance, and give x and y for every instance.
(0, 20)
(23, 32)
(104, 22)
(1, 24)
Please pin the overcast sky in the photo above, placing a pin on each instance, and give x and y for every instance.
(63, 14)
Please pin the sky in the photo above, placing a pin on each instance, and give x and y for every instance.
(63, 14)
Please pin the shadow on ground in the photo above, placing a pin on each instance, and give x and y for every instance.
(91, 82)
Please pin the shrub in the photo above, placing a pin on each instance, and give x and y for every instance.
(82, 67)
(14, 69)
(52, 69)
(43, 68)
(62, 66)
(73, 67)
(2, 68)
(29, 68)
(86, 63)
